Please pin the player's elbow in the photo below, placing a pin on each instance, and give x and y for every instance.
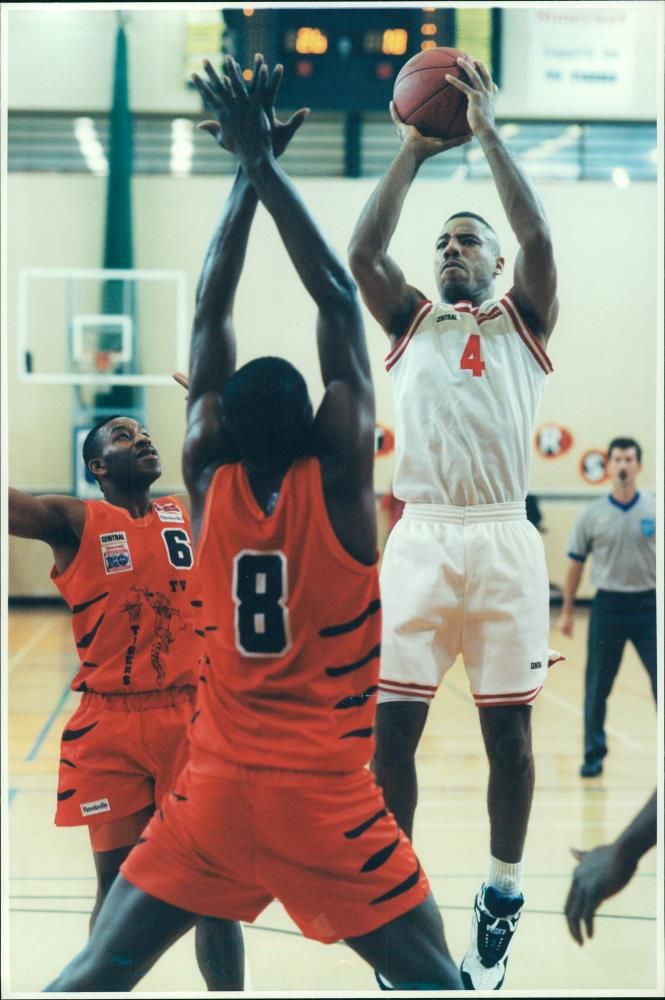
(341, 290)
(362, 260)
(538, 238)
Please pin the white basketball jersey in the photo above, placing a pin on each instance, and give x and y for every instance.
(467, 383)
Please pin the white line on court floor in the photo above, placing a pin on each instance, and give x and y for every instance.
(27, 647)
(568, 706)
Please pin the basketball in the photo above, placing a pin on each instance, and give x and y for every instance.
(424, 98)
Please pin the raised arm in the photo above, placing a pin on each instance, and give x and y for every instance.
(384, 288)
(344, 423)
(51, 518)
(534, 282)
(212, 357)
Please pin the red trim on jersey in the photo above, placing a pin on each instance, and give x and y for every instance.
(525, 333)
(401, 345)
(464, 306)
(492, 314)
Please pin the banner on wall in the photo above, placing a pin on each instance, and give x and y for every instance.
(581, 61)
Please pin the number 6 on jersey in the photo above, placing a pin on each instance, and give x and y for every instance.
(260, 592)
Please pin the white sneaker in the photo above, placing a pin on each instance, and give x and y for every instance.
(495, 918)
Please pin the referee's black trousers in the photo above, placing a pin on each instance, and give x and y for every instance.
(615, 618)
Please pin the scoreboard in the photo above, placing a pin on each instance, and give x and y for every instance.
(346, 59)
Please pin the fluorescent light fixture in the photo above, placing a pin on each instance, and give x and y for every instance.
(621, 177)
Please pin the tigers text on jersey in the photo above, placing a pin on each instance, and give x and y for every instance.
(295, 659)
(134, 599)
(467, 383)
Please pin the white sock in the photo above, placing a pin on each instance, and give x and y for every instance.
(504, 876)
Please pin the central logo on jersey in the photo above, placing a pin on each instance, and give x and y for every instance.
(447, 317)
(115, 552)
(98, 806)
(169, 512)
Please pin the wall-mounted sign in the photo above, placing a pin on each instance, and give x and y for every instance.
(581, 59)
(553, 441)
(593, 466)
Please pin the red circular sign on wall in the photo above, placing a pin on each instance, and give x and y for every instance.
(553, 441)
(384, 440)
(593, 466)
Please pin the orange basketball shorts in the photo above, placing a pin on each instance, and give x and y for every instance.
(121, 753)
(229, 840)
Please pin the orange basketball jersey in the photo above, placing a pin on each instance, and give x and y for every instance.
(294, 663)
(134, 598)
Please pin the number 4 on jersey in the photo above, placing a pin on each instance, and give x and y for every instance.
(471, 359)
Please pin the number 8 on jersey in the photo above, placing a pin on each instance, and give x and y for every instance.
(260, 592)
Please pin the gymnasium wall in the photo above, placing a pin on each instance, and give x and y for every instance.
(534, 40)
(603, 350)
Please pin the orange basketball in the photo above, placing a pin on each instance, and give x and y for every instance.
(424, 98)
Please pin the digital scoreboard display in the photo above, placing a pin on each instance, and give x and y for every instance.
(347, 59)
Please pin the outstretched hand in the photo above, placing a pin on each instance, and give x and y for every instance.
(230, 101)
(481, 93)
(600, 873)
(424, 145)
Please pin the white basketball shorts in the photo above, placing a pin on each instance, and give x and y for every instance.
(470, 581)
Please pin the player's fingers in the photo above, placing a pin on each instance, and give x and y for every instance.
(577, 854)
(213, 128)
(484, 74)
(213, 82)
(469, 68)
(572, 912)
(274, 85)
(588, 918)
(207, 96)
(262, 83)
(181, 379)
(460, 84)
(393, 114)
(296, 120)
(258, 62)
(235, 77)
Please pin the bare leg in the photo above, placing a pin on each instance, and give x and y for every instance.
(507, 734)
(411, 951)
(111, 843)
(399, 726)
(107, 866)
(131, 932)
(220, 953)
(219, 945)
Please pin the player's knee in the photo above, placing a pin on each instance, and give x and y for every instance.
(398, 729)
(511, 752)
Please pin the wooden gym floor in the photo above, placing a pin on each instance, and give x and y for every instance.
(50, 883)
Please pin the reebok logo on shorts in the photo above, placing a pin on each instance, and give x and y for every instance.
(536, 664)
(115, 552)
(98, 806)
